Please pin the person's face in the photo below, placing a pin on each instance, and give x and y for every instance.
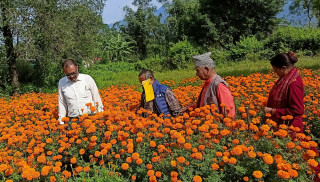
(143, 78)
(71, 72)
(279, 71)
(202, 72)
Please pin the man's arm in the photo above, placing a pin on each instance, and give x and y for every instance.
(62, 105)
(172, 102)
(224, 96)
(95, 94)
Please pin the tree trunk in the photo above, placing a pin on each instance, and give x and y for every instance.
(10, 53)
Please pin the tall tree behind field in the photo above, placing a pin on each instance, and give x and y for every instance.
(8, 20)
(144, 28)
(43, 33)
(316, 10)
(64, 29)
(309, 7)
(223, 21)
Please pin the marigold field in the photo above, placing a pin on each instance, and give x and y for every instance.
(121, 145)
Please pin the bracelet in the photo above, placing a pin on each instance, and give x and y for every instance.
(273, 111)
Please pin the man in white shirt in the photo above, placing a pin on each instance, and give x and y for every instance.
(75, 91)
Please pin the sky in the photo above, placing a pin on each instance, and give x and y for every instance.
(113, 10)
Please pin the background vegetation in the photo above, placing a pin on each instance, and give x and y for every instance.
(36, 37)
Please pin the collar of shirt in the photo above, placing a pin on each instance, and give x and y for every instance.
(208, 81)
(80, 78)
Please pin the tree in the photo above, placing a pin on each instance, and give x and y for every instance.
(43, 33)
(306, 6)
(210, 22)
(144, 28)
(9, 17)
(235, 19)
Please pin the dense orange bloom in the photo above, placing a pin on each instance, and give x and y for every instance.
(158, 174)
(125, 166)
(187, 146)
(173, 163)
(86, 169)
(197, 178)
(290, 145)
(215, 166)
(135, 156)
(181, 160)
(236, 151)
(257, 174)
(245, 178)
(73, 160)
(283, 174)
(153, 144)
(267, 158)
(81, 151)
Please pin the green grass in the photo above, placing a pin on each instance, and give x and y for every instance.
(105, 78)
(227, 69)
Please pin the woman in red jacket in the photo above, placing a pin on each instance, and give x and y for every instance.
(286, 96)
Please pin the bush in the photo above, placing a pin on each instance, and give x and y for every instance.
(180, 54)
(295, 39)
(246, 46)
(154, 64)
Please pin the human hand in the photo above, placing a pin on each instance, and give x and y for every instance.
(184, 109)
(268, 110)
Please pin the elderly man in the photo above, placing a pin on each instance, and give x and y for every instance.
(215, 89)
(76, 90)
(164, 101)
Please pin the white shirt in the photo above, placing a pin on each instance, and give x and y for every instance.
(73, 96)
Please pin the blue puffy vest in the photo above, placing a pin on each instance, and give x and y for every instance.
(160, 99)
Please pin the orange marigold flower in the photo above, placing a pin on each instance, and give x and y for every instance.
(312, 163)
(232, 160)
(214, 166)
(135, 156)
(125, 166)
(139, 161)
(181, 160)
(53, 179)
(56, 169)
(252, 154)
(257, 174)
(267, 158)
(73, 160)
(197, 178)
(187, 146)
(86, 169)
(290, 145)
(49, 140)
(158, 174)
(81, 151)
(153, 144)
(236, 151)
(173, 163)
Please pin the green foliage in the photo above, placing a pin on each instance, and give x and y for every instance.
(295, 39)
(115, 48)
(249, 48)
(180, 54)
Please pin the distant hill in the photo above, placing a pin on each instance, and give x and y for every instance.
(292, 19)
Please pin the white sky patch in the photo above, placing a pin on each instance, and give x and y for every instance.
(113, 10)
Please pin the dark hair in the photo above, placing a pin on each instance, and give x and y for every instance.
(147, 73)
(68, 62)
(284, 59)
